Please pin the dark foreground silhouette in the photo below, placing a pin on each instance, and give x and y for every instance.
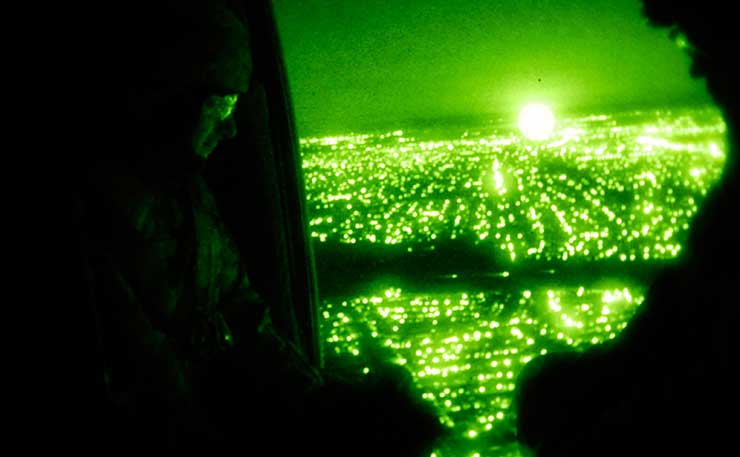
(193, 329)
(667, 385)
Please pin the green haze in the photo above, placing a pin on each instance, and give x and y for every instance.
(356, 63)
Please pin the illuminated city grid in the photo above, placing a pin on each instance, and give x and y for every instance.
(466, 349)
(604, 187)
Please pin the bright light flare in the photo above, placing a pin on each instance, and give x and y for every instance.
(536, 121)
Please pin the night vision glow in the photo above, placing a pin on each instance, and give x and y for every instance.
(614, 192)
(488, 182)
(536, 121)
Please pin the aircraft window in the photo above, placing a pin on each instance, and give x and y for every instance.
(489, 181)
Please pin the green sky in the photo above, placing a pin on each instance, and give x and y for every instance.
(357, 62)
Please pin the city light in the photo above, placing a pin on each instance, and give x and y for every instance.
(536, 121)
(613, 193)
